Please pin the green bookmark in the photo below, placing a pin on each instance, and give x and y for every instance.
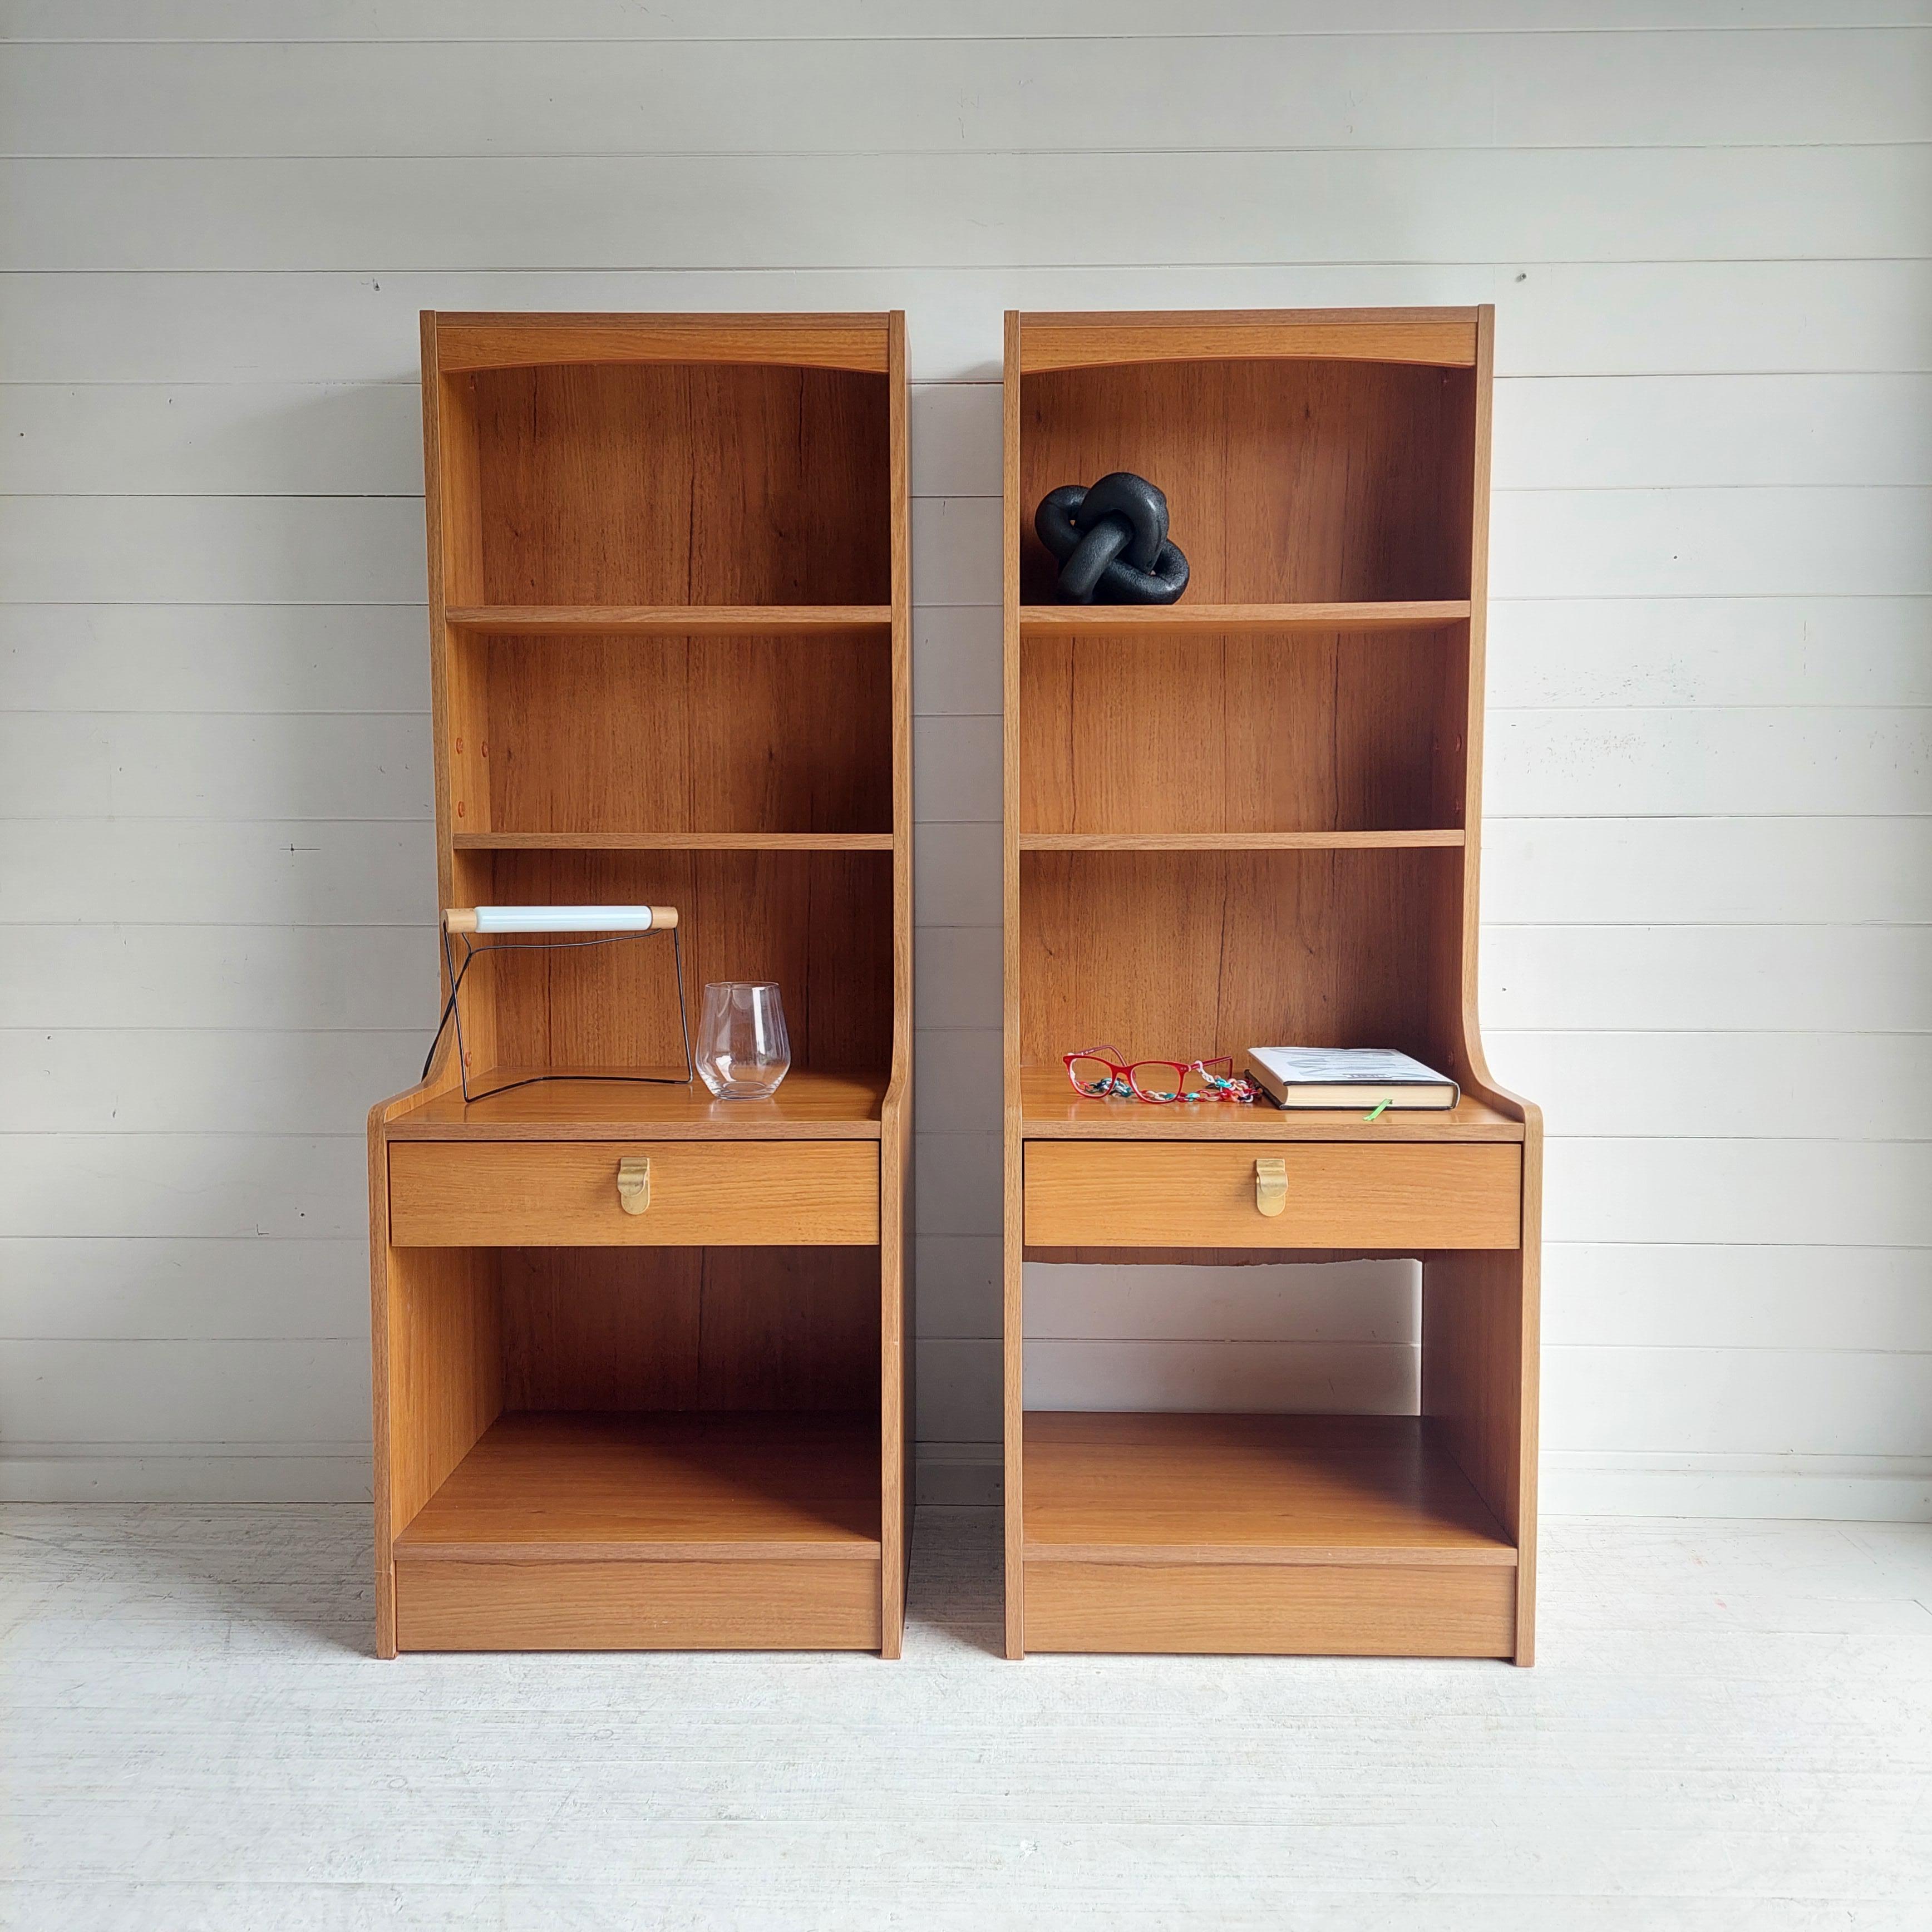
(1381, 1107)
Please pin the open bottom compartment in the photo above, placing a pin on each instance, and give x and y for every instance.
(666, 1448)
(1313, 1534)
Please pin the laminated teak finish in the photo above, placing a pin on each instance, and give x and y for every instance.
(688, 1193)
(670, 619)
(1254, 817)
(1392, 1198)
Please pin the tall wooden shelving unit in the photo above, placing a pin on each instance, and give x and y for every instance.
(669, 616)
(1251, 818)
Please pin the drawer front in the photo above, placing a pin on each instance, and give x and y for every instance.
(1157, 1194)
(701, 1194)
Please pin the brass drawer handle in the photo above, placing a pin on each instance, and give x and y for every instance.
(634, 1183)
(1271, 1186)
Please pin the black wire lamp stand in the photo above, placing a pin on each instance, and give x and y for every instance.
(484, 930)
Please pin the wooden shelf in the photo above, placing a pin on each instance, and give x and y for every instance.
(657, 1488)
(1050, 1110)
(810, 1105)
(1165, 1488)
(1060, 620)
(1429, 839)
(672, 841)
(664, 620)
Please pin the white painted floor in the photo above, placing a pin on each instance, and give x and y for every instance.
(1731, 1727)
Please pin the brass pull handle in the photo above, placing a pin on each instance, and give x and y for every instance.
(1271, 1186)
(634, 1183)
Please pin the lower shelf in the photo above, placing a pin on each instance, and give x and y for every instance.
(705, 1531)
(1345, 1535)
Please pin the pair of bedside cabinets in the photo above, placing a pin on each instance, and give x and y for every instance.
(670, 616)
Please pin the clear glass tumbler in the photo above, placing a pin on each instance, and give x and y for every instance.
(743, 1051)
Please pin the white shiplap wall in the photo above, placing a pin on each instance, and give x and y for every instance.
(1706, 225)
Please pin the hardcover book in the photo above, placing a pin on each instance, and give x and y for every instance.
(1348, 1076)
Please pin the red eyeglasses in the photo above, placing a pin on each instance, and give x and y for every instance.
(1099, 1073)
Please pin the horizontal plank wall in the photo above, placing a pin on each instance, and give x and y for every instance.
(1709, 744)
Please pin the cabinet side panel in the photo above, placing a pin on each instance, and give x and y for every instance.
(1474, 1331)
(895, 1281)
(1012, 1207)
(445, 1358)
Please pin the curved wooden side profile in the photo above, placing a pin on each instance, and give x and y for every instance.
(1308, 876)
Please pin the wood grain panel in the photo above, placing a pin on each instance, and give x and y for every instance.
(1163, 733)
(1260, 1610)
(1169, 954)
(1106, 1487)
(818, 923)
(808, 1105)
(654, 484)
(618, 733)
(1207, 621)
(895, 1310)
(1053, 1111)
(791, 1328)
(1286, 481)
(1178, 1194)
(723, 1193)
(1446, 337)
(666, 620)
(803, 1605)
(477, 342)
(444, 1369)
(594, 1328)
(647, 1488)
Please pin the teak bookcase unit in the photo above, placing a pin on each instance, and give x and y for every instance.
(669, 601)
(1251, 818)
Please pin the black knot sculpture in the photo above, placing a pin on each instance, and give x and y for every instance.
(1111, 542)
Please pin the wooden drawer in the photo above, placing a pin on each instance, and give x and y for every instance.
(702, 1194)
(1154, 1194)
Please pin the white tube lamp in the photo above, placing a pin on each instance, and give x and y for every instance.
(559, 919)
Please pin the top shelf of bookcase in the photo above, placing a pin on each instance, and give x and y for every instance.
(666, 620)
(1050, 620)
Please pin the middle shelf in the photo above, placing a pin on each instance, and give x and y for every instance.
(672, 842)
(1420, 838)
(664, 620)
(1208, 620)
